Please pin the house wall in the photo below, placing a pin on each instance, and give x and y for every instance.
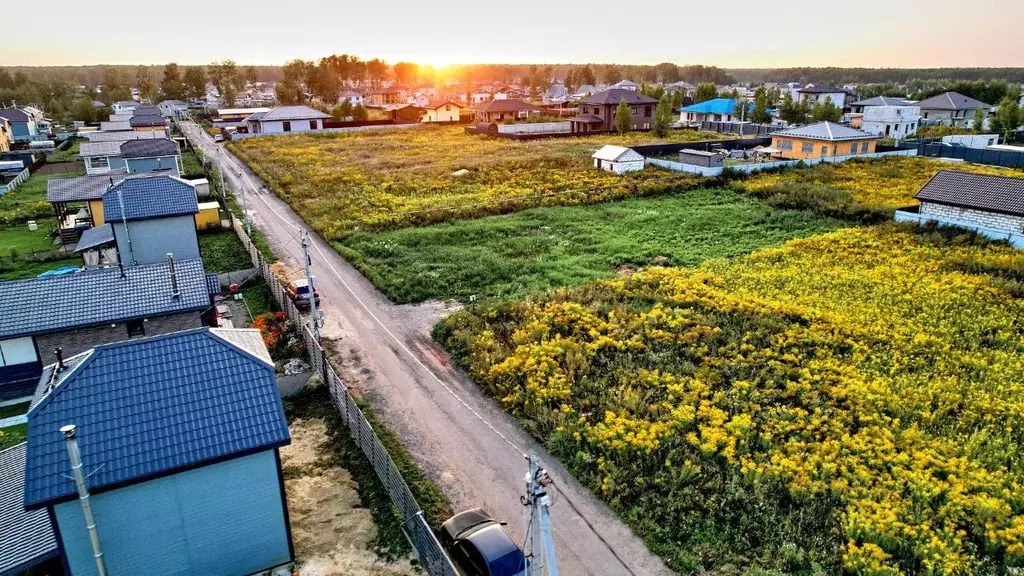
(277, 127)
(5, 135)
(619, 167)
(641, 116)
(151, 240)
(149, 128)
(73, 342)
(96, 209)
(226, 518)
(837, 98)
(113, 163)
(891, 121)
(448, 113)
(831, 148)
(955, 118)
(23, 131)
(151, 164)
(993, 220)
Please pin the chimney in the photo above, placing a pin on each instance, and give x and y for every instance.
(83, 496)
(59, 353)
(174, 276)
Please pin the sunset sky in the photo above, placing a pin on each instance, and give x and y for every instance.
(740, 33)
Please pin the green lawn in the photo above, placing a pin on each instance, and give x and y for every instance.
(18, 238)
(14, 410)
(13, 435)
(21, 270)
(191, 166)
(28, 201)
(544, 248)
(223, 252)
(69, 155)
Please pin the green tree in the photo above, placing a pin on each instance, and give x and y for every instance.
(705, 91)
(611, 74)
(585, 75)
(114, 87)
(826, 111)
(193, 84)
(1007, 118)
(144, 82)
(667, 72)
(83, 111)
(662, 116)
(794, 113)
(760, 112)
(250, 75)
(773, 96)
(360, 113)
(978, 124)
(623, 119)
(170, 85)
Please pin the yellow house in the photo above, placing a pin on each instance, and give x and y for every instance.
(5, 135)
(441, 111)
(823, 140)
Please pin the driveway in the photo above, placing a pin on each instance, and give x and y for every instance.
(465, 443)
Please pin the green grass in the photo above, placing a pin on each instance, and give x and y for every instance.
(258, 297)
(13, 435)
(191, 166)
(28, 201)
(14, 410)
(223, 252)
(69, 155)
(21, 270)
(19, 239)
(544, 248)
(234, 205)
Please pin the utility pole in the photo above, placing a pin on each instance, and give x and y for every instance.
(537, 503)
(309, 282)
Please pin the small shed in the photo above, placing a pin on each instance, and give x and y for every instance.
(208, 216)
(618, 159)
(702, 158)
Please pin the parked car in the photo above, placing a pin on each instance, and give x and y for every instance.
(218, 138)
(479, 545)
(298, 293)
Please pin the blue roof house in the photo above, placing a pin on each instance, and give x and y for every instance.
(714, 110)
(23, 124)
(130, 155)
(151, 217)
(75, 312)
(179, 436)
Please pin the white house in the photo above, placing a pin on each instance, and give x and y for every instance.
(125, 106)
(479, 97)
(286, 119)
(618, 159)
(627, 85)
(897, 122)
(352, 96)
(818, 94)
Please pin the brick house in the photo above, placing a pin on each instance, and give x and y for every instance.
(75, 312)
(992, 206)
(506, 109)
(597, 112)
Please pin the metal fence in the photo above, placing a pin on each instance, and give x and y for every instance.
(431, 554)
(15, 182)
(1007, 158)
(744, 128)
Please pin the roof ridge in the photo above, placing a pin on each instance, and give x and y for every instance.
(225, 342)
(59, 385)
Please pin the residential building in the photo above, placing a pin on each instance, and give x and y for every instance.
(479, 97)
(419, 100)
(352, 96)
(618, 159)
(897, 122)
(126, 117)
(597, 112)
(75, 312)
(821, 140)
(152, 217)
(993, 206)
(441, 111)
(123, 136)
(172, 108)
(951, 109)
(813, 94)
(135, 155)
(124, 106)
(148, 122)
(179, 434)
(714, 110)
(6, 137)
(556, 93)
(626, 85)
(861, 105)
(685, 87)
(501, 110)
(286, 119)
(231, 115)
(27, 542)
(23, 126)
(115, 127)
(386, 96)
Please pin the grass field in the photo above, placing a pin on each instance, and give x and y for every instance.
(28, 201)
(19, 239)
(13, 435)
(385, 179)
(14, 410)
(223, 252)
(543, 248)
(847, 403)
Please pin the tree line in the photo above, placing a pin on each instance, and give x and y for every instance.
(834, 75)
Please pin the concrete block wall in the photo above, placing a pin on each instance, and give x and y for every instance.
(78, 341)
(995, 221)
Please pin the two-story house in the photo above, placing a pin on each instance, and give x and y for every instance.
(951, 109)
(148, 122)
(178, 439)
(597, 112)
(22, 124)
(441, 111)
(151, 217)
(817, 94)
(124, 106)
(137, 155)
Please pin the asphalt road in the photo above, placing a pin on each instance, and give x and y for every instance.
(464, 442)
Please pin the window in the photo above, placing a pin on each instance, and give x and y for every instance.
(647, 111)
(786, 145)
(447, 107)
(807, 148)
(17, 351)
(926, 115)
(286, 126)
(853, 148)
(136, 328)
(99, 162)
(824, 151)
(312, 124)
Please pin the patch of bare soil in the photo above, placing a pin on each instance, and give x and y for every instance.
(331, 530)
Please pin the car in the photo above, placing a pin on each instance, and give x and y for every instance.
(218, 138)
(298, 292)
(479, 546)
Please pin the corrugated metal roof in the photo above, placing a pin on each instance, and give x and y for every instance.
(829, 131)
(612, 153)
(100, 296)
(14, 115)
(714, 106)
(1003, 194)
(26, 538)
(951, 101)
(293, 113)
(79, 188)
(616, 95)
(149, 148)
(152, 407)
(882, 101)
(147, 120)
(115, 126)
(124, 136)
(145, 198)
(91, 149)
(95, 237)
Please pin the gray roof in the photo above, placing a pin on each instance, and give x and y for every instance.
(148, 120)
(95, 238)
(178, 103)
(26, 538)
(1003, 194)
(146, 198)
(80, 188)
(91, 149)
(292, 113)
(882, 101)
(120, 117)
(125, 103)
(149, 148)
(115, 126)
(124, 136)
(951, 101)
(14, 115)
(829, 131)
(100, 296)
(614, 95)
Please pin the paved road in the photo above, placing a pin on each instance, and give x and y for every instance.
(461, 438)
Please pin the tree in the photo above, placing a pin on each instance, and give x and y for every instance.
(114, 87)
(704, 91)
(794, 113)
(144, 82)
(773, 96)
(193, 85)
(662, 116)
(289, 91)
(667, 72)
(405, 72)
(826, 111)
(585, 75)
(611, 74)
(323, 82)
(1008, 117)
(171, 86)
(978, 124)
(343, 110)
(377, 70)
(250, 75)
(760, 112)
(623, 118)
(83, 111)
(360, 113)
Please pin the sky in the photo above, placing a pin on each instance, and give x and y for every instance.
(735, 34)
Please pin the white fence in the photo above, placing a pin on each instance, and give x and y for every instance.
(693, 169)
(243, 136)
(536, 128)
(10, 186)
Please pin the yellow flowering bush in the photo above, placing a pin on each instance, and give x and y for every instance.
(851, 402)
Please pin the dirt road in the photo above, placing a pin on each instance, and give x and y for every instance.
(473, 450)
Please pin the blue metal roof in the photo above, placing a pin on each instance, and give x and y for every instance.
(213, 283)
(95, 237)
(149, 408)
(26, 538)
(145, 198)
(714, 106)
(100, 296)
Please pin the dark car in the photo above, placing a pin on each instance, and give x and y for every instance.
(298, 293)
(480, 547)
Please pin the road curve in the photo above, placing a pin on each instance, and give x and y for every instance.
(465, 443)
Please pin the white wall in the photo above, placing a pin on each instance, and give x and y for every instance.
(901, 121)
(277, 127)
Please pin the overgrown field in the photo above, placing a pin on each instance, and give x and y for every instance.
(868, 190)
(851, 402)
(385, 179)
(535, 250)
